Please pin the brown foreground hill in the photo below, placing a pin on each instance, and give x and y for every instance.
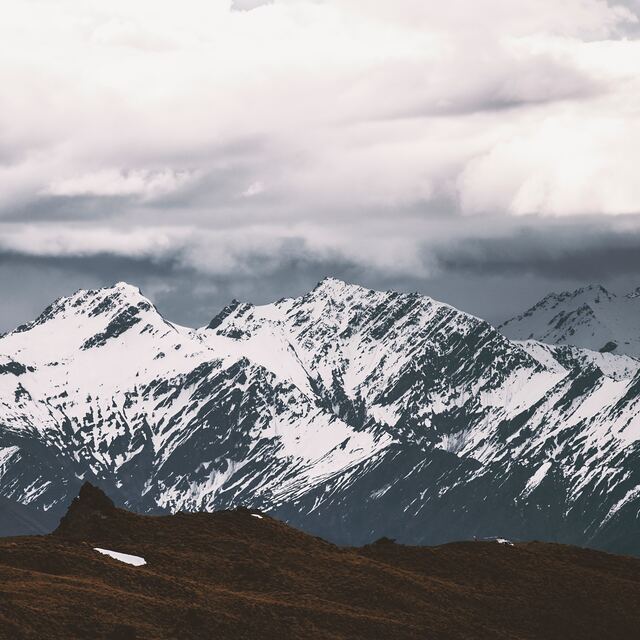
(233, 575)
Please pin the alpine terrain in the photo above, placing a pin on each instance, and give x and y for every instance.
(349, 413)
(108, 574)
(591, 317)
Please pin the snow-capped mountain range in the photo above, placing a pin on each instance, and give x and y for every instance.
(591, 317)
(350, 413)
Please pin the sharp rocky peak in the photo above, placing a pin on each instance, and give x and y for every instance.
(97, 301)
(93, 498)
(596, 291)
(578, 298)
(330, 293)
(340, 290)
(107, 301)
(333, 285)
(592, 292)
(91, 505)
(332, 305)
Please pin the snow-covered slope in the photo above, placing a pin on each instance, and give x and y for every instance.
(591, 318)
(116, 393)
(349, 412)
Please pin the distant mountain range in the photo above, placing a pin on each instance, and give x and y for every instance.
(591, 317)
(350, 413)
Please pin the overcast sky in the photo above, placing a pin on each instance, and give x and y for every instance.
(484, 152)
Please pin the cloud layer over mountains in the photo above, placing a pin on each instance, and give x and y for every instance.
(212, 147)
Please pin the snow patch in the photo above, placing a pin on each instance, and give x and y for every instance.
(6, 453)
(536, 478)
(630, 495)
(504, 541)
(135, 561)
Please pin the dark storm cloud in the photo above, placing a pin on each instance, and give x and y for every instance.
(575, 250)
(104, 267)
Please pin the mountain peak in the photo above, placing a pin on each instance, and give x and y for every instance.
(596, 290)
(590, 317)
(92, 497)
(93, 301)
(336, 288)
(331, 283)
(592, 292)
(125, 289)
(104, 304)
(90, 507)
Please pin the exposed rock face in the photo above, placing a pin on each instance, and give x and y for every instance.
(87, 515)
(350, 413)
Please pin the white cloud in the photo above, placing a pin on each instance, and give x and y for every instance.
(82, 240)
(248, 5)
(355, 115)
(555, 168)
(113, 182)
(254, 189)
